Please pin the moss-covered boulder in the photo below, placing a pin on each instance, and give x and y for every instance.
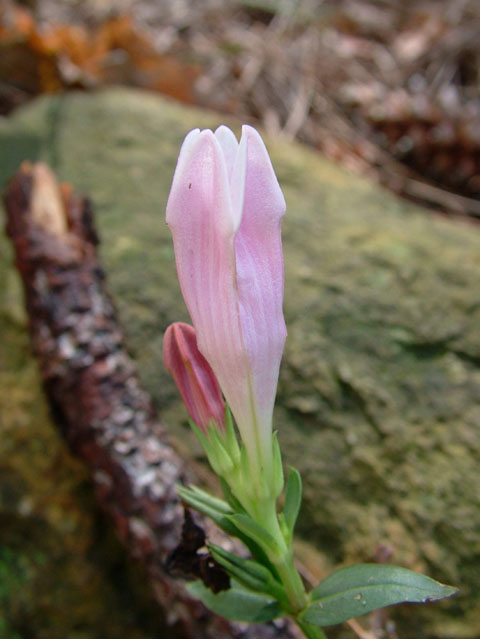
(380, 385)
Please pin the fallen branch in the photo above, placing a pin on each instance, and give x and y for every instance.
(95, 394)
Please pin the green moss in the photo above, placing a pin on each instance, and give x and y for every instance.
(379, 389)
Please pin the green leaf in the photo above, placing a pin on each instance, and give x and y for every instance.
(249, 573)
(252, 530)
(356, 590)
(293, 499)
(206, 504)
(218, 504)
(203, 502)
(217, 510)
(237, 603)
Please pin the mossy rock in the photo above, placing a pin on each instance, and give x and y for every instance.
(378, 397)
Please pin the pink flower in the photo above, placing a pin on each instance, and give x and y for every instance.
(224, 210)
(195, 379)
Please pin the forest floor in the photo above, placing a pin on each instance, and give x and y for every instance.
(389, 88)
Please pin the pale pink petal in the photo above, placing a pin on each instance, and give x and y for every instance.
(229, 145)
(200, 177)
(187, 143)
(259, 266)
(237, 182)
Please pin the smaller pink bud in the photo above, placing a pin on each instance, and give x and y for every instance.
(193, 376)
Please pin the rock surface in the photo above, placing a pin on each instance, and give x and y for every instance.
(379, 389)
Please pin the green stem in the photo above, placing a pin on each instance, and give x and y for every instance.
(281, 555)
(310, 632)
(292, 582)
(253, 482)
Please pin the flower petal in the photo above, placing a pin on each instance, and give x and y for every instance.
(224, 210)
(193, 375)
(259, 269)
(229, 145)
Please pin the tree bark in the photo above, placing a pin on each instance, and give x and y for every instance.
(95, 394)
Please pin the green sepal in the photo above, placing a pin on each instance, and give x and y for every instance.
(216, 446)
(249, 573)
(293, 499)
(207, 447)
(278, 479)
(231, 441)
(356, 590)
(202, 438)
(237, 603)
(223, 461)
(254, 531)
(284, 528)
(248, 485)
(230, 497)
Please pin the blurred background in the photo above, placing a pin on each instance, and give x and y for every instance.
(388, 87)
(380, 385)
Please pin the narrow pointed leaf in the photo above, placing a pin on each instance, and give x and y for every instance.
(216, 502)
(356, 590)
(250, 567)
(250, 528)
(237, 603)
(243, 576)
(207, 508)
(249, 573)
(216, 509)
(293, 499)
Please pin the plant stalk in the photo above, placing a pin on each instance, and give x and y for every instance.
(281, 555)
